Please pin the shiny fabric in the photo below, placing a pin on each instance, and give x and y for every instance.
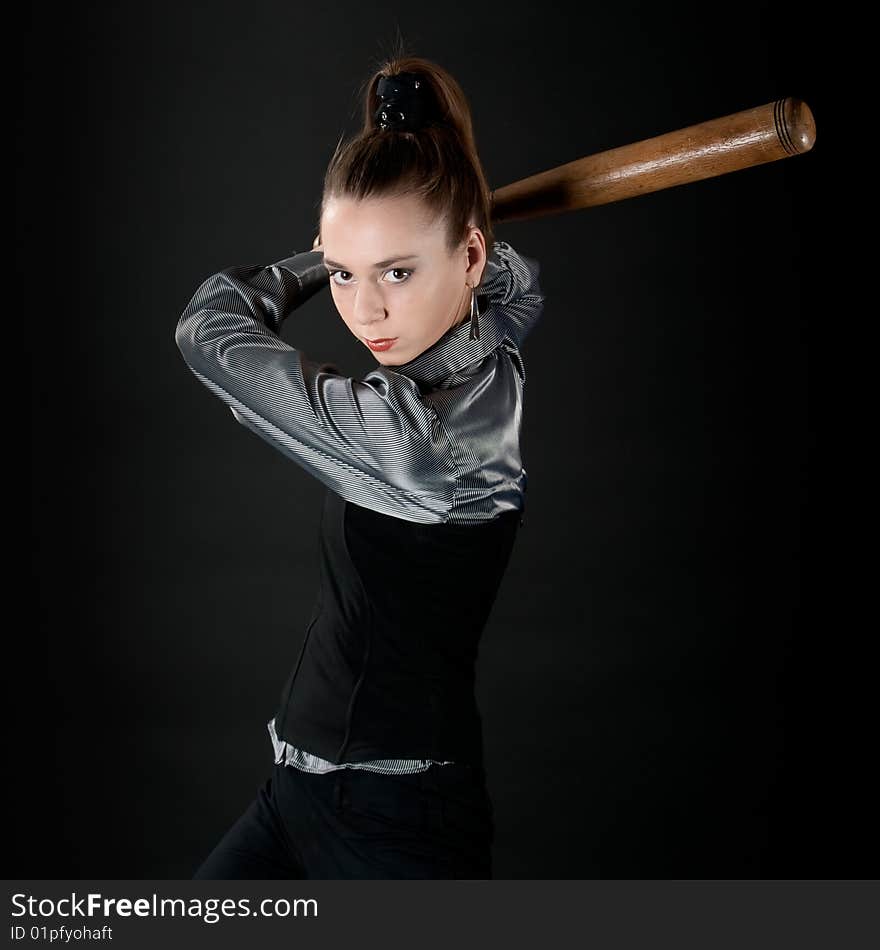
(287, 754)
(435, 439)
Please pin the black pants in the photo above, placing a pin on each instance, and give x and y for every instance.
(351, 823)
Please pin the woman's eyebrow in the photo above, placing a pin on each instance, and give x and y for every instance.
(380, 264)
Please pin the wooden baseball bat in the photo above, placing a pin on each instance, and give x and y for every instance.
(766, 133)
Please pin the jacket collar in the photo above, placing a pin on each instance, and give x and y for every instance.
(455, 351)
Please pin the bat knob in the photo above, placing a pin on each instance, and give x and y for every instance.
(795, 125)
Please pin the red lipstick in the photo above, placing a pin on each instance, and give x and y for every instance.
(384, 343)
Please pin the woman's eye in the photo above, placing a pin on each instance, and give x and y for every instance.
(394, 270)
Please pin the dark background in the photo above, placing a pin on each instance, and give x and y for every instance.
(668, 680)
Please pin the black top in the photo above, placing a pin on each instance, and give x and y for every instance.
(387, 667)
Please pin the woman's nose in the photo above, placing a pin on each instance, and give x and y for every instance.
(369, 307)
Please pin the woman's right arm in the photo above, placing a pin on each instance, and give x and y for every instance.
(370, 440)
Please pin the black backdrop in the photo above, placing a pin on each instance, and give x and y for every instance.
(661, 686)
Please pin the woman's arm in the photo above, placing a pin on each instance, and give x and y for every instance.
(368, 439)
(511, 283)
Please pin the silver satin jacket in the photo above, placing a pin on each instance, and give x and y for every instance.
(435, 439)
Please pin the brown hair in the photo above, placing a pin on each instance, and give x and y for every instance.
(438, 162)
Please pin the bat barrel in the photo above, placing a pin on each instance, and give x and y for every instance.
(765, 133)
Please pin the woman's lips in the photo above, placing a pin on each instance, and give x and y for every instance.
(384, 343)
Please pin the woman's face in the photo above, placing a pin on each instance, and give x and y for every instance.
(391, 275)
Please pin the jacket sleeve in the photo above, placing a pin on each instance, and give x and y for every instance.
(510, 280)
(370, 439)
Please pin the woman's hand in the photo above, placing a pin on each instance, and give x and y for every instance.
(316, 244)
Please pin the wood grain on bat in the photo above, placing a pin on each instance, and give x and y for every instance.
(766, 133)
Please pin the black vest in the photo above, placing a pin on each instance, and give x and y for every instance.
(387, 666)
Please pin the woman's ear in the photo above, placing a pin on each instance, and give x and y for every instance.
(476, 246)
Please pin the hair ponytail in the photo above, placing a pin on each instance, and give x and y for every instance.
(437, 162)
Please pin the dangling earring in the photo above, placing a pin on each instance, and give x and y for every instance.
(475, 313)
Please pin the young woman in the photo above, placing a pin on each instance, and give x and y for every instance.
(379, 769)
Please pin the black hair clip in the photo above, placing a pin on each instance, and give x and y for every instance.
(402, 102)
